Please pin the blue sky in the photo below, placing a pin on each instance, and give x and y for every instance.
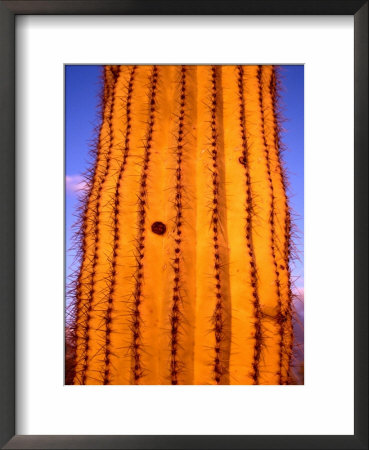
(82, 87)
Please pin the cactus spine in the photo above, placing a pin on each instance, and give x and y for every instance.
(185, 232)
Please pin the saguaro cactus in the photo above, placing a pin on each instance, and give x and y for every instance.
(185, 232)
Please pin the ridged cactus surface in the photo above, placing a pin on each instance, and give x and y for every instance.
(185, 232)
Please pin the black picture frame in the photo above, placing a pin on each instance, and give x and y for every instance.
(8, 12)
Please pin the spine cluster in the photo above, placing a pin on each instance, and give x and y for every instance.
(244, 159)
(273, 242)
(218, 313)
(175, 310)
(137, 370)
(286, 315)
(116, 227)
(95, 198)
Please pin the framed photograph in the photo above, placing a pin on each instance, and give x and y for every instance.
(184, 224)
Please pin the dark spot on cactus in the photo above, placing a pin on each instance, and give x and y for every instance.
(158, 228)
(242, 160)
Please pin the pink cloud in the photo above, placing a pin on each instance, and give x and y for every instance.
(74, 184)
(299, 299)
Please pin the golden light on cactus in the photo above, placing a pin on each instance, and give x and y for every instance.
(185, 232)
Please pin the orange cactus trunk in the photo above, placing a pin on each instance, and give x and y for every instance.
(185, 237)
